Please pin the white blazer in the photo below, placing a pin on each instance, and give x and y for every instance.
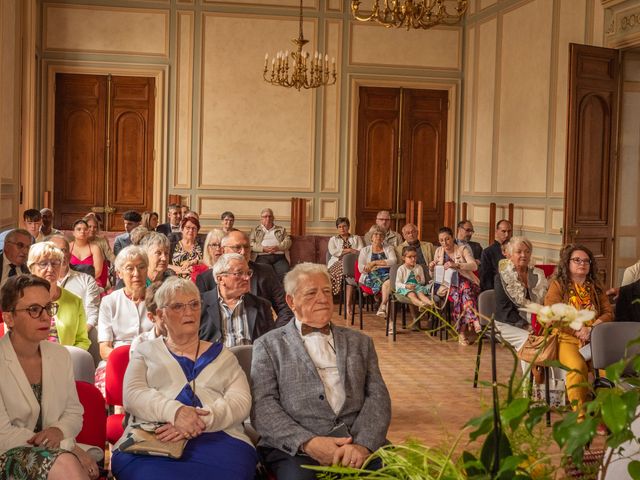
(154, 379)
(19, 408)
(335, 247)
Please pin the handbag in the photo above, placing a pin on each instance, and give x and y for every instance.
(535, 347)
(141, 440)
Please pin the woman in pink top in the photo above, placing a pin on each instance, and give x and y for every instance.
(83, 252)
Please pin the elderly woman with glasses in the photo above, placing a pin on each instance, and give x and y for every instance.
(123, 315)
(575, 282)
(69, 319)
(190, 389)
(41, 414)
(212, 252)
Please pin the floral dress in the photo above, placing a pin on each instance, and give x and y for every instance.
(336, 271)
(377, 277)
(464, 301)
(180, 257)
(29, 463)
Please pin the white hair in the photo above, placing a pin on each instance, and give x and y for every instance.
(222, 265)
(293, 278)
(128, 254)
(170, 287)
(515, 241)
(41, 250)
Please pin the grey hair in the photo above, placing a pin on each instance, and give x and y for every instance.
(515, 241)
(11, 236)
(129, 253)
(154, 239)
(292, 279)
(42, 250)
(216, 234)
(58, 236)
(227, 238)
(171, 286)
(267, 210)
(222, 265)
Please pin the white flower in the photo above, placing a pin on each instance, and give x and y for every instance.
(560, 315)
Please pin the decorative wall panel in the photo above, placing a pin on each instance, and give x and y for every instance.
(248, 208)
(184, 101)
(130, 31)
(524, 92)
(254, 136)
(330, 158)
(328, 209)
(376, 45)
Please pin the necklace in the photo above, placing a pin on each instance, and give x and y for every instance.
(183, 351)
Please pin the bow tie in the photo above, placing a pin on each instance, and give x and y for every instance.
(307, 329)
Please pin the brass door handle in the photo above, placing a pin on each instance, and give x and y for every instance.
(97, 209)
(109, 209)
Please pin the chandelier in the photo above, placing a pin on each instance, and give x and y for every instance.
(412, 13)
(305, 72)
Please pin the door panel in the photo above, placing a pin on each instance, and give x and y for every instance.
(79, 146)
(378, 118)
(592, 151)
(131, 159)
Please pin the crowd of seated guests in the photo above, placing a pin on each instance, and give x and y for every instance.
(180, 303)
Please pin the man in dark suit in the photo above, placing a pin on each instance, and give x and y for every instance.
(628, 303)
(492, 255)
(264, 282)
(310, 405)
(230, 314)
(173, 225)
(13, 259)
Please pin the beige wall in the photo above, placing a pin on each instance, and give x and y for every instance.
(11, 17)
(515, 109)
(230, 141)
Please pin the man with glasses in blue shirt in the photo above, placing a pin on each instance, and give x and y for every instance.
(230, 314)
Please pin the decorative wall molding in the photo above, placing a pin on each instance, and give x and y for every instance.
(248, 208)
(182, 160)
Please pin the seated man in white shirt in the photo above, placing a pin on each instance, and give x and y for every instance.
(271, 243)
(318, 395)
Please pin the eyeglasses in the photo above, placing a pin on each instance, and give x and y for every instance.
(248, 274)
(581, 261)
(214, 245)
(237, 248)
(49, 263)
(20, 245)
(138, 268)
(384, 219)
(469, 230)
(181, 307)
(266, 216)
(35, 310)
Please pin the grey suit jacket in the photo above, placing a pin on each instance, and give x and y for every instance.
(289, 404)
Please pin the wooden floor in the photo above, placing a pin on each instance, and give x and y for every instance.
(430, 381)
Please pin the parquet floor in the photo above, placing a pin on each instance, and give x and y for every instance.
(430, 381)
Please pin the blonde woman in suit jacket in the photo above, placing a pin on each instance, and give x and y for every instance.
(464, 295)
(40, 413)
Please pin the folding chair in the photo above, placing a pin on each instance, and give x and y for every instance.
(351, 278)
(394, 300)
(487, 308)
(609, 345)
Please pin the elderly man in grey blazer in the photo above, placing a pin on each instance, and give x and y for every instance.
(310, 405)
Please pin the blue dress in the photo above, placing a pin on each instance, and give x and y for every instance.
(377, 277)
(209, 456)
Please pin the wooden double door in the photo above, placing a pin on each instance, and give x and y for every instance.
(402, 142)
(103, 158)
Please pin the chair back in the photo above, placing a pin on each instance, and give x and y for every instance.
(393, 273)
(486, 305)
(609, 344)
(114, 375)
(548, 269)
(94, 418)
(349, 264)
(327, 257)
(243, 354)
(84, 368)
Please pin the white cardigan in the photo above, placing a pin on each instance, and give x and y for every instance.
(365, 257)
(335, 247)
(19, 408)
(403, 274)
(154, 379)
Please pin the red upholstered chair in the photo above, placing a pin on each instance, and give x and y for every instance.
(94, 418)
(548, 269)
(114, 382)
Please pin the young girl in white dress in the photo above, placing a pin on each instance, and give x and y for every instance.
(410, 279)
